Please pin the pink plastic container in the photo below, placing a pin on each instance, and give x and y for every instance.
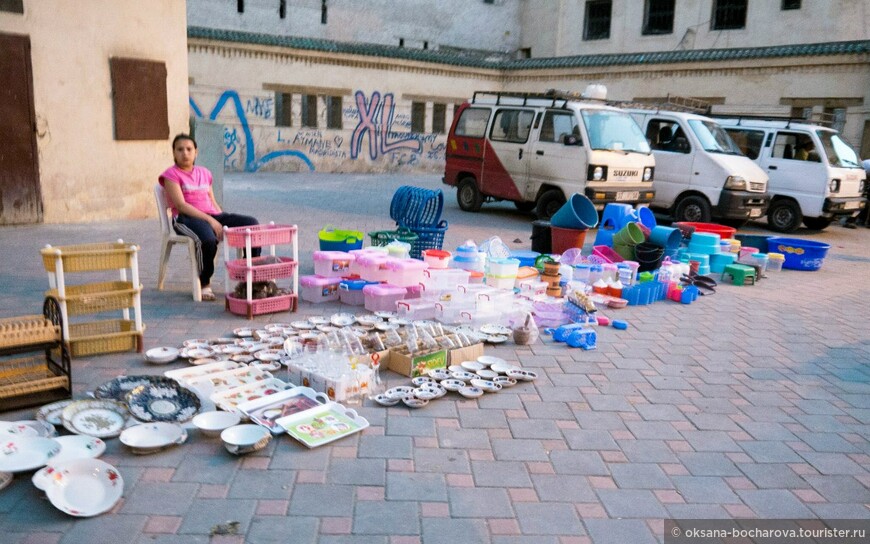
(607, 253)
(355, 265)
(405, 272)
(373, 267)
(382, 297)
(332, 264)
(746, 252)
(318, 289)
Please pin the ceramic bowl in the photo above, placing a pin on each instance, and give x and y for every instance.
(464, 376)
(439, 374)
(161, 356)
(241, 439)
(214, 423)
(420, 380)
(414, 402)
(472, 366)
(504, 381)
(487, 373)
(426, 393)
(398, 392)
(384, 400)
(452, 384)
(486, 385)
(471, 392)
(489, 360)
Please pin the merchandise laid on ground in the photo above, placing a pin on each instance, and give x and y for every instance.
(427, 318)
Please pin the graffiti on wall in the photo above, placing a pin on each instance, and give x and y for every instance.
(375, 121)
(252, 162)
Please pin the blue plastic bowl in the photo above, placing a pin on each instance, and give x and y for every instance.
(526, 258)
(799, 254)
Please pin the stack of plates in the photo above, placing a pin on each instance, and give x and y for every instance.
(161, 356)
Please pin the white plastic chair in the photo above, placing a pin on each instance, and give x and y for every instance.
(170, 237)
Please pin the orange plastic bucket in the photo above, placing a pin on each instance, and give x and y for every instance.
(565, 239)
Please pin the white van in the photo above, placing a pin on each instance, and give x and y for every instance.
(700, 172)
(537, 149)
(815, 176)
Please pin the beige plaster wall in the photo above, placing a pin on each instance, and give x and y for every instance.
(85, 174)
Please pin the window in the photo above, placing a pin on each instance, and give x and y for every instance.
(14, 6)
(282, 9)
(597, 20)
(439, 118)
(524, 53)
(557, 125)
(401, 42)
(333, 112)
(749, 141)
(418, 117)
(729, 14)
(309, 110)
(791, 4)
(667, 135)
(511, 126)
(323, 13)
(794, 146)
(837, 117)
(658, 17)
(240, 6)
(472, 122)
(283, 109)
(489, 1)
(139, 99)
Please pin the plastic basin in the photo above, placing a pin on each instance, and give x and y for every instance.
(723, 231)
(799, 254)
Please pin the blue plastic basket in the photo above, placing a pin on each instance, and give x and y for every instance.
(799, 254)
(417, 207)
(427, 238)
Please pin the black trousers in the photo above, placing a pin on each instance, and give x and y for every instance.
(206, 241)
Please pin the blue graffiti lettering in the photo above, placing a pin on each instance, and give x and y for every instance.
(261, 107)
(376, 125)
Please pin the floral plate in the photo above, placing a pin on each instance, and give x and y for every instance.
(51, 413)
(85, 487)
(20, 453)
(165, 401)
(78, 446)
(99, 418)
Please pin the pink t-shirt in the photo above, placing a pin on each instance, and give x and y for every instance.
(194, 185)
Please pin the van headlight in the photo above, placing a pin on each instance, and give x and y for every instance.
(648, 173)
(834, 186)
(862, 186)
(735, 183)
(596, 173)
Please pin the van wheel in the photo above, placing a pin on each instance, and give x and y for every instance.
(784, 216)
(468, 197)
(817, 223)
(693, 209)
(549, 204)
(524, 206)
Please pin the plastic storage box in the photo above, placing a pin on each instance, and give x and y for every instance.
(356, 253)
(382, 297)
(332, 264)
(405, 272)
(351, 292)
(437, 258)
(319, 289)
(373, 267)
(444, 279)
(414, 309)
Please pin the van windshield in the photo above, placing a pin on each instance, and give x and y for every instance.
(713, 138)
(838, 151)
(614, 131)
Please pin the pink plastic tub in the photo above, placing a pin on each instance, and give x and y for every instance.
(405, 272)
(382, 297)
(373, 267)
(332, 264)
(318, 289)
(607, 254)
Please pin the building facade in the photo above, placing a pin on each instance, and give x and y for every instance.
(92, 91)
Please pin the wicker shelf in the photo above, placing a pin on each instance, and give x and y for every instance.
(267, 268)
(34, 359)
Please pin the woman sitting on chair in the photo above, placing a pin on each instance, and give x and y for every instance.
(194, 209)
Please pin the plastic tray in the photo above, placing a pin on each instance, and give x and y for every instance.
(267, 410)
(92, 298)
(322, 425)
(89, 257)
(282, 303)
(104, 337)
(262, 268)
(261, 235)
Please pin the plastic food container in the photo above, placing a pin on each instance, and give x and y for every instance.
(436, 258)
(416, 309)
(404, 272)
(775, 262)
(373, 267)
(318, 289)
(332, 264)
(382, 297)
(356, 253)
(532, 288)
(351, 292)
(444, 279)
(501, 283)
(504, 268)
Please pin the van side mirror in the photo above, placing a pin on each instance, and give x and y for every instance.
(570, 139)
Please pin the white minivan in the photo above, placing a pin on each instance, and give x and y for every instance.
(700, 173)
(815, 176)
(536, 149)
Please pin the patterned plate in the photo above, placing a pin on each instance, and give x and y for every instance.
(118, 388)
(52, 412)
(164, 400)
(99, 418)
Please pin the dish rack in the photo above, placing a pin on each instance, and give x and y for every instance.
(34, 359)
(84, 337)
(261, 269)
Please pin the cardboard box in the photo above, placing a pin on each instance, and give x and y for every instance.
(418, 365)
(469, 353)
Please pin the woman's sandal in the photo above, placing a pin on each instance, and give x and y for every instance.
(208, 295)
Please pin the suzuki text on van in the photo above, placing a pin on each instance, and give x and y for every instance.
(538, 149)
(815, 176)
(700, 172)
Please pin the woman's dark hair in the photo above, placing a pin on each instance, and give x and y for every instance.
(183, 136)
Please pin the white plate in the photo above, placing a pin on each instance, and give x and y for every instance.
(270, 354)
(487, 373)
(368, 319)
(51, 413)
(270, 366)
(151, 435)
(492, 329)
(471, 392)
(161, 356)
(463, 375)
(5, 479)
(243, 358)
(243, 332)
(302, 325)
(78, 446)
(400, 321)
(234, 350)
(277, 327)
(384, 400)
(99, 418)
(452, 384)
(326, 328)
(496, 339)
(43, 428)
(342, 320)
(472, 366)
(520, 374)
(489, 360)
(426, 393)
(486, 385)
(386, 315)
(504, 381)
(318, 320)
(504, 368)
(17, 428)
(398, 392)
(383, 327)
(205, 361)
(199, 353)
(420, 380)
(455, 368)
(213, 423)
(438, 374)
(85, 487)
(20, 453)
(414, 402)
(196, 343)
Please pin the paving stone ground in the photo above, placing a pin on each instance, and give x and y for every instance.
(752, 403)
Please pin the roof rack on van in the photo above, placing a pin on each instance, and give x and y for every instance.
(552, 96)
(821, 119)
(671, 103)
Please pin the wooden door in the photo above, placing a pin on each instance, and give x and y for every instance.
(20, 197)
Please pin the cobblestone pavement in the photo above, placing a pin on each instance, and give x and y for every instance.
(754, 402)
